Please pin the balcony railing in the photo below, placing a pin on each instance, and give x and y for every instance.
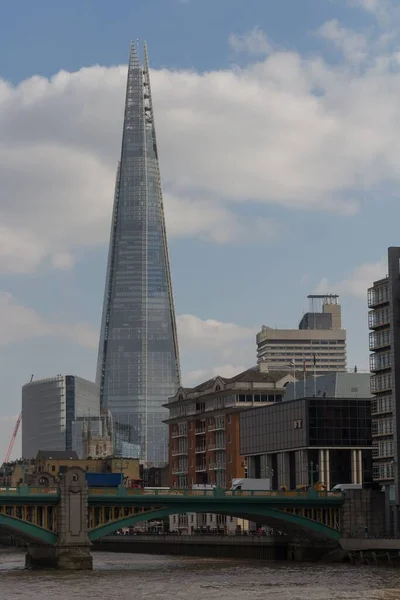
(379, 339)
(179, 452)
(200, 430)
(217, 446)
(380, 362)
(179, 471)
(177, 434)
(217, 467)
(217, 427)
(378, 295)
(378, 318)
(200, 468)
(200, 450)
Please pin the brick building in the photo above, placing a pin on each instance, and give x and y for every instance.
(204, 425)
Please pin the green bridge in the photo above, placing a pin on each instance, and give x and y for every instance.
(62, 521)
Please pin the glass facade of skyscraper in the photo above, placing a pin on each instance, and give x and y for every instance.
(138, 364)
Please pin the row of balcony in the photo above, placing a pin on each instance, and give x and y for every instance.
(217, 466)
(378, 295)
(380, 361)
(378, 318)
(199, 430)
(199, 449)
(379, 339)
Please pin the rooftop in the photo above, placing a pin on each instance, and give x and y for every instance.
(57, 455)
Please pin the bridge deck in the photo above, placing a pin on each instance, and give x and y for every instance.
(125, 496)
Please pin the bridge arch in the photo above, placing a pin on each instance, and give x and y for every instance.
(28, 531)
(278, 519)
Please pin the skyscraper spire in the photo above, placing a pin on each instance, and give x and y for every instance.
(138, 364)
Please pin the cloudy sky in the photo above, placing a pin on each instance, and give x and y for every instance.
(278, 127)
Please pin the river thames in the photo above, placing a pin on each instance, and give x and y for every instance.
(142, 577)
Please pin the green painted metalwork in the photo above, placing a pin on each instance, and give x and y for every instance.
(32, 495)
(179, 498)
(244, 511)
(28, 530)
(242, 504)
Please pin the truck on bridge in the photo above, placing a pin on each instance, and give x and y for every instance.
(247, 485)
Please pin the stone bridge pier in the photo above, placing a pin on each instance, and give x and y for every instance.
(72, 551)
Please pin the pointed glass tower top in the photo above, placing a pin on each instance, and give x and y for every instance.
(138, 361)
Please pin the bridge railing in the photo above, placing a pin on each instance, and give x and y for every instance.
(219, 492)
(25, 490)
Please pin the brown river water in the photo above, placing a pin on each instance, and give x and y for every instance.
(142, 577)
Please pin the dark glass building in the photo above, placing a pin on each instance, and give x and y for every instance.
(300, 442)
(138, 363)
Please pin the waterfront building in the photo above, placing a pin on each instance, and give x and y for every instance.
(384, 344)
(204, 425)
(49, 408)
(138, 362)
(204, 436)
(302, 441)
(318, 345)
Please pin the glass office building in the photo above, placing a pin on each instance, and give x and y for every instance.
(300, 442)
(49, 408)
(138, 363)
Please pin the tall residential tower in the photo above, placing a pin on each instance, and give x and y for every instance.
(138, 362)
(384, 344)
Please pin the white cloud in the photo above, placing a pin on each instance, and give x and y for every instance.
(210, 333)
(357, 282)
(19, 323)
(372, 6)
(216, 223)
(288, 130)
(251, 42)
(353, 45)
(208, 342)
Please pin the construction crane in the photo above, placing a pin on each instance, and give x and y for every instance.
(13, 437)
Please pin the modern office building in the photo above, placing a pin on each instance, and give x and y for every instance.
(204, 425)
(318, 345)
(138, 363)
(384, 344)
(50, 406)
(309, 440)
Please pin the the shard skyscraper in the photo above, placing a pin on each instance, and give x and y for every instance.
(138, 362)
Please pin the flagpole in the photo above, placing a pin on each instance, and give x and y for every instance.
(315, 376)
(294, 377)
(304, 378)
